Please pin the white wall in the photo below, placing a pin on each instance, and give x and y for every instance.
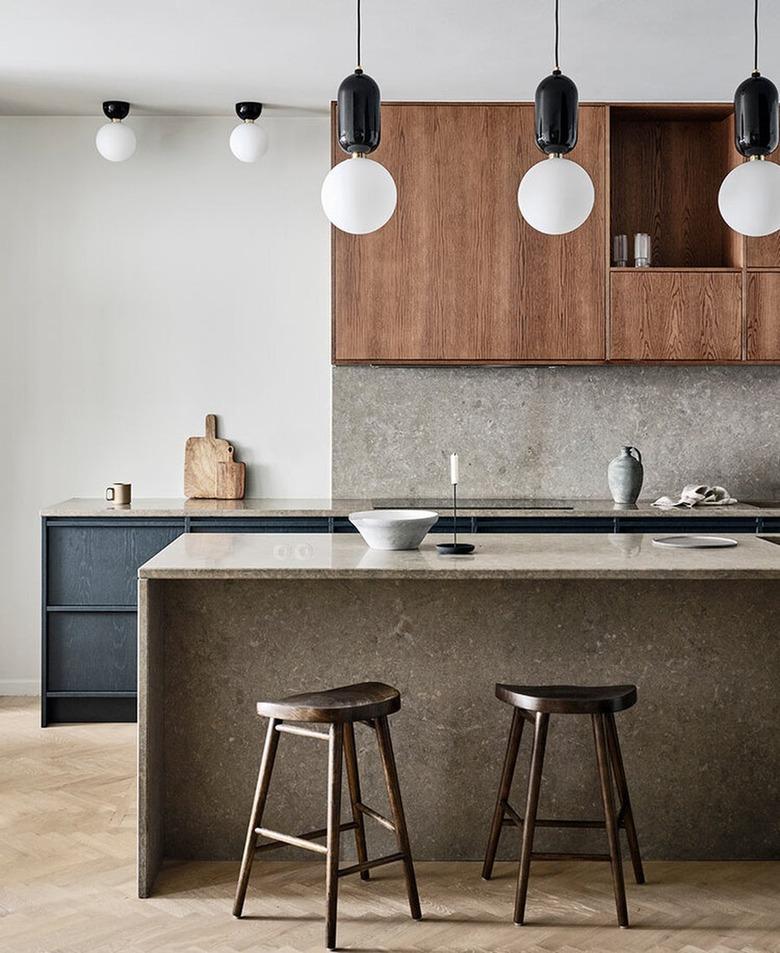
(135, 298)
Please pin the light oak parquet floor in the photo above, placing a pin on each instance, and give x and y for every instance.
(67, 881)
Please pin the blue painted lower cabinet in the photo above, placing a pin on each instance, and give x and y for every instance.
(89, 586)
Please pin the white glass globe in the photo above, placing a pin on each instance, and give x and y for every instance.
(115, 141)
(359, 195)
(555, 196)
(248, 142)
(749, 198)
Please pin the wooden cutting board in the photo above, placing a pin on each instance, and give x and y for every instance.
(210, 472)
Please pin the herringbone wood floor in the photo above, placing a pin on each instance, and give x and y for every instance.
(67, 880)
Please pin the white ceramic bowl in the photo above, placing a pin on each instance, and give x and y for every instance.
(393, 529)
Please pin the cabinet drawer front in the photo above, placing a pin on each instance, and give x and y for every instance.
(92, 652)
(676, 316)
(97, 565)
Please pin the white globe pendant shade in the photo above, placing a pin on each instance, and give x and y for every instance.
(248, 142)
(115, 141)
(359, 195)
(749, 198)
(555, 196)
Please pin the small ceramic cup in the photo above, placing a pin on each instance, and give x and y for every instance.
(119, 494)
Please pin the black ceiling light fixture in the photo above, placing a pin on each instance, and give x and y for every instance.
(248, 142)
(359, 196)
(115, 141)
(556, 196)
(749, 197)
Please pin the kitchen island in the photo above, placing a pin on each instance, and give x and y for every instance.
(227, 619)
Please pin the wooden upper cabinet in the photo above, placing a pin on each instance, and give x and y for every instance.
(676, 316)
(763, 316)
(764, 252)
(456, 275)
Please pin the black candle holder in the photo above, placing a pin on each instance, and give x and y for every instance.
(454, 548)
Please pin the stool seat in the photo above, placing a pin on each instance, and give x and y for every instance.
(568, 699)
(359, 702)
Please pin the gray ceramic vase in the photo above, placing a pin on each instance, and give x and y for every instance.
(625, 474)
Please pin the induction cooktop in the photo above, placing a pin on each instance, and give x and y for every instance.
(469, 504)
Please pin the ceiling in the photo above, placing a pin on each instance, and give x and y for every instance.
(198, 57)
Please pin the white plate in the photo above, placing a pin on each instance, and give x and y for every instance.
(695, 542)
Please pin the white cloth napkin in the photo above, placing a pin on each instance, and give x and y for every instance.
(697, 495)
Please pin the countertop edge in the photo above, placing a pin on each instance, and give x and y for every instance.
(253, 508)
(480, 574)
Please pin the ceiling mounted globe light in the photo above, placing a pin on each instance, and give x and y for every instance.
(248, 142)
(749, 196)
(359, 196)
(115, 141)
(556, 195)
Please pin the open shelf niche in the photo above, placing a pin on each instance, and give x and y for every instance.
(667, 162)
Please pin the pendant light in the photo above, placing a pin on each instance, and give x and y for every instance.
(749, 197)
(556, 195)
(115, 141)
(358, 195)
(248, 142)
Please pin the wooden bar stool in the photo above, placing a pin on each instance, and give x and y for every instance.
(536, 704)
(340, 708)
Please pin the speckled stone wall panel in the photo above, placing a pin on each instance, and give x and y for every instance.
(701, 746)
(551, 431)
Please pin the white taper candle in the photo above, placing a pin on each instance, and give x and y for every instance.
(454, 468)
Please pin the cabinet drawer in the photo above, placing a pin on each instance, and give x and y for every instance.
(95, 564)
(91, 652)
(676, 316)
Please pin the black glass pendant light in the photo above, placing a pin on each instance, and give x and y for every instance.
(749, 197)
(756, 108)
(556, 107)
(359, 197)
(358, 106)
(556, 196)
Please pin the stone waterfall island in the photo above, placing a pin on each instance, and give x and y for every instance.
(228, 619)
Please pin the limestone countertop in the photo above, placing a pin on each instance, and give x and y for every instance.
(269, 507)
(497, 556)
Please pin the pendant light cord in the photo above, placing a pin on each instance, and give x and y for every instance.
(359, 30)
(557, 69)
(755, 39)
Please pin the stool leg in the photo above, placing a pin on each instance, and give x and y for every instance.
(335, 757)
(504, 787)
(353, 779)
(625, 801)
(258, 806)
(532, 803)
(397, 808)
(610, 820)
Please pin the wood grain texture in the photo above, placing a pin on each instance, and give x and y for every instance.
(349, 703)
(764, 252)
(665, 174)
(97, 565)
(676, 316)
(763, 316)
(457, 275)
(68, 887)
(210, 471)
(92, 652)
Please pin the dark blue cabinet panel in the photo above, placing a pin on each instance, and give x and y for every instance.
(97, 565)
(270, 524)
(92, 652)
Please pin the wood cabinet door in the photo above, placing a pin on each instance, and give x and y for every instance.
(763, 316)
(676, 316)
(764, 252)
(457, 276)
